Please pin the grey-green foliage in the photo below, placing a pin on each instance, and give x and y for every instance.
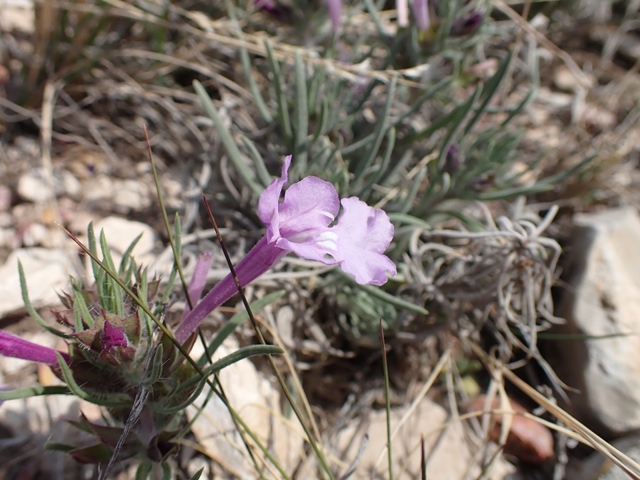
(422, 150)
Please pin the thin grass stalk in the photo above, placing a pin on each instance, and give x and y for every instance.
(185, 286)
(387, 393)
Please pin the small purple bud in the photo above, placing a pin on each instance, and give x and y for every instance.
(335, 9)
(452, 161)
(268, 5)
(482, 183)
(420, 10)
(112, 336)
(466, 25)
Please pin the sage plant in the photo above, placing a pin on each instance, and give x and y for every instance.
(117, 359)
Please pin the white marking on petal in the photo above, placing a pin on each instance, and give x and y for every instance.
(327, 214)
(328, 244)
(327, 235)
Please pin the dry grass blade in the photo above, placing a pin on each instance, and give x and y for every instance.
(628, 465)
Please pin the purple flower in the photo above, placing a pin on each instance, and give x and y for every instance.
(466, 25)
(12, 346)
(402, 9)
(421, 14)
(335, 9)
(268, 5)
(300, 225)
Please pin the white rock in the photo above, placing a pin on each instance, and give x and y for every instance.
(36, 234)
(32, 186)
(131, 195)
(98, 191)
(257, 403)
(46, 271)
(448, 454)
(8, 238)
(17, 16)
(604, 273)
(123, 195)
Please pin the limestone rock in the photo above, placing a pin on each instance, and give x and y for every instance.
(123, 196)
(603, 271)
(33, 186)
(46, 271)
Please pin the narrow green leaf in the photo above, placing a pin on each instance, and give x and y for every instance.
(253, 87)
(302, 116)
(413, 191)
(169, 409)
(107, 259)
(166, 471)
(514, 192)
(144, 470)
(261, 169)
(283, 109)
(489, 90)
(386, 297)
(58, 447)
(33, 392)
(230, 146)
(230, 359)
(113, 291)
(373, 12)
(381, 127)
(196, 476)
(78, 299)
(127, 254)
(32, 311)
(156, 367)
(401, 218)
(363, 142)
(322, 121)
(318, 80)
(77, 318)
(456, 121)
(386, 158)
(565, 174)
(93, 248)
(427, 95)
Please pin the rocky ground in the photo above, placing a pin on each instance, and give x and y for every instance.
(97, 171)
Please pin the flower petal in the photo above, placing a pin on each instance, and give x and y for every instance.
(270, 201)
(335, 9)
(364, 233)
(310, 204)
(421, 14)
